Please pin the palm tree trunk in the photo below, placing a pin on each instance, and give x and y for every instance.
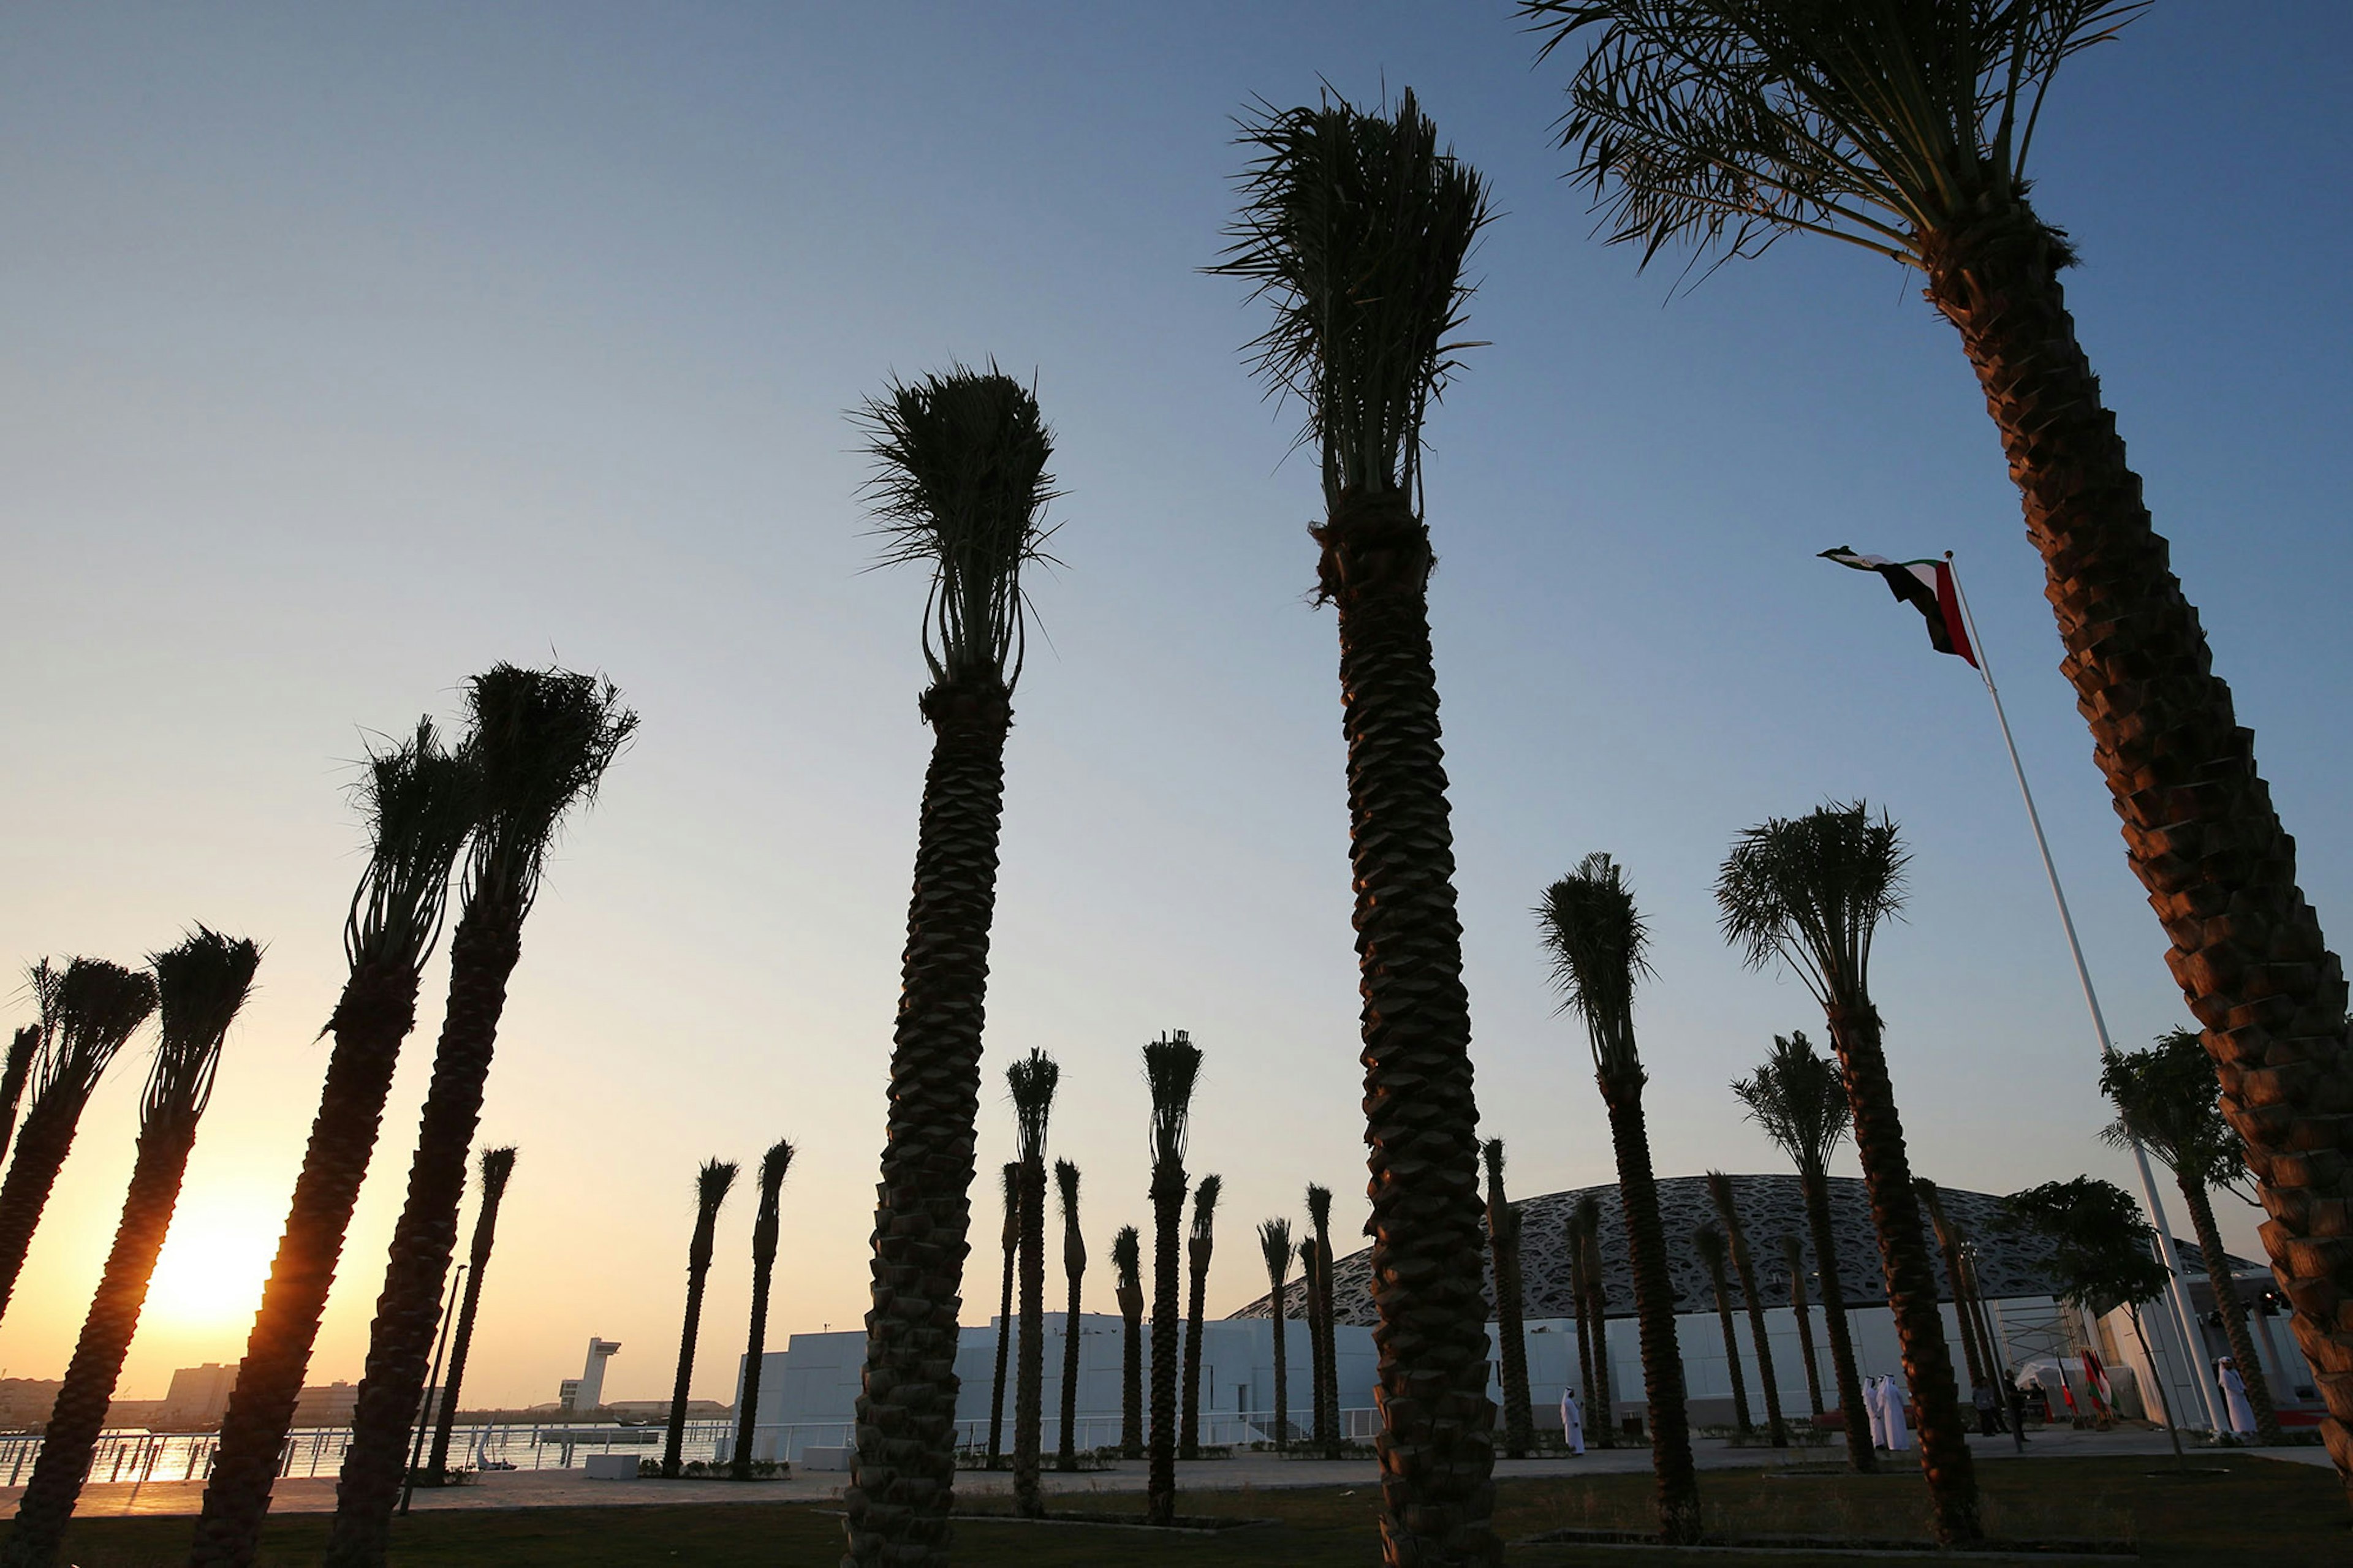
(1859, 1455)
(1806, 1338)
(374, 1016)
(482, 955)
(1282, 1383)
(1910, 1282)
(1436, 1443)
(1130, 1374)
(755, 1348)
(1745, 1268)
(1951, 1251)
(1519, 1423)
(80, 1414)
(697, 1273)
(1987, 1341)
(2234, 1315)
(1167, 1215)
(486, 1226)
(2198, 825)
(1581, 1310)
(19, 1068)
(902, 1481)
(1005, 1334)
(1189, 1408)
(1654, 1311)
(1732, 1354)
(1029, 1368)
(41, 1150)
(1600, 1426)
(1074, 1265)
(1327, 1359)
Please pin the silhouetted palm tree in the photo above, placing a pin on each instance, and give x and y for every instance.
(1580, 1307)
(961, 487)
(1708, 1242)
(712, 1186)
(1903, 127)
(1356, 225)
(1075, 1268)
(95, 1008)
(1172, 1066)
(420, 803)
(1793, 1254)
(1948, 1245)
(201, 983)
(1031, 1079)
(1744, 1269)
(1310, 1289)
(498, 1166)
(1127, 1265)
(1503, 1245)
(1274, 1242)
(766, 1227)
(1198, 1243)
(2165, 1098)
(1327, 1361)
(1600, 1422)
(1598, 944)
(1798, 1096)
(1811, 892)
(1004, 1310)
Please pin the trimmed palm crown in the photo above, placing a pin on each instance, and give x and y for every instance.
(1599, 945)
(1798, 1096)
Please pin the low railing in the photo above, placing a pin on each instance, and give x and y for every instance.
(138, 1457)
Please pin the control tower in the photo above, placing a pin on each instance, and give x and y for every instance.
(584, 1393)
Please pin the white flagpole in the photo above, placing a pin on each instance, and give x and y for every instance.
(2185, 1322)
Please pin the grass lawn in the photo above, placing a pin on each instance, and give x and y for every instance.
(2260, 1511)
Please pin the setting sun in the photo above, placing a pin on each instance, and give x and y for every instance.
(212, 1267)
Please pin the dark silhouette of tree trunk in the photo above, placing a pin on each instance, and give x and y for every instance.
(1503, 1245)
(27, 1040)
(1032, 1080)
(1654, 1312)
(711, 1188)
(1197, 1245)
(1327, 1398)
(1817, 1190)
(1128, 1263)
(1075, 1268)
(2235, 1313)
(1004, 1330)
(1315, 1312)
(1948, 1246)
(1601, 1428)
(1744, 1269)
(1167, 1219)
(1709, 1243)
(1794, 1252)
(498, 1165)
(766, 1227)
(1274, 1244)
(1580, 1307)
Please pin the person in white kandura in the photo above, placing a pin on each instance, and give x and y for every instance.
(1876, 1408)
(1890, 1399)
(1572, 1421)
(2234, 1395)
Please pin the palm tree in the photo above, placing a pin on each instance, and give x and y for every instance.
(1031, 1079)
(1127, 1265)
(1798, 1096)
(418, 801)
(1581, 1304)
(765, 1228)
(540, 744)
(1311, 1288)
(1948, 1245)
(1793, 1255)
(1586, 1217)
(1075, 1268)
(21, 1051)
(94, 1009)
(1327, 1396)
(1708, 1242)
(1356, 226)
(1274, 1243)
(2165, 1099)
(498, 1166)
(711, 1185)
(1598, 947)
(1811, 891)
(1744, 1269)
(1005, 1308)
(1903, 127)
(1172, 1066)
(1198, 1243)
(201, 985)
(1504, 1242)
(961, 487)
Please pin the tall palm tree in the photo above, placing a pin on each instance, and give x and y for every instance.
(1581, 1304)
(1327, 1396)
(201, 985)
(1127, 1265)
(1004, 1310)
(1274, 1243)
(1356, 225)
(766, 1227)
(1599, 1429)
(1810, 892)
(1744, 1269)
(2165, 1099)
(1708, 1242)
(1903, 127)
(1600, 948)
(1503, 1244)
(95, 1008)
(1948, 1245)
(498, 1167)
(1172, 1066)
(418, 801)
(712, 1186)
(1075, 1268)
(961, 489)
(21, 1051)
(1198, 1243)
(1798, 1096)
(540, 744)
(1310, 1264)
(1793, 1255)
(1032, 1080)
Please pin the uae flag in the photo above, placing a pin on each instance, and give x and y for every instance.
(1927, 587)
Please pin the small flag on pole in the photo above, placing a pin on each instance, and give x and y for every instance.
(1927, 587)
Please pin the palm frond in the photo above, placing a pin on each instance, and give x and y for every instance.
(1206, 1193)
(1798, 1096)
(1724, 124)
(541, 741)
(1127, 1258)
(712, 1183)
(1066, 1184)
(1319, 1206)
(1812, 891)
(97, 1007)
(774, 1164)
(1172, 1067)
(420, 802)
(2166, 1099)
(1274, 1243)
(960, 486)
(1355, 227)
(498, 1169)
(199, 987)
(1708, 1242)
(1599, 945)
(1030, 1081)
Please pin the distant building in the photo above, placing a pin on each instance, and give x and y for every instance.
(25, 1403)
(332, 1406)
(586, 1392)
(199, 1396)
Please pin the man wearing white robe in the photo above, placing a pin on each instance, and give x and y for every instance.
(1899, 1430)
(2234, 1397)
(1876, 1406)
(1572, 1421)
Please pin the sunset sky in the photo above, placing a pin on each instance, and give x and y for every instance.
(349, 350)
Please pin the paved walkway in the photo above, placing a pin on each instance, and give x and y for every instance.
(572, 1489)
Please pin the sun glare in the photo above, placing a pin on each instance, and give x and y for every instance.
(212, 1267)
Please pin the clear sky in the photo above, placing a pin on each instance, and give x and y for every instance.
(349, 351)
